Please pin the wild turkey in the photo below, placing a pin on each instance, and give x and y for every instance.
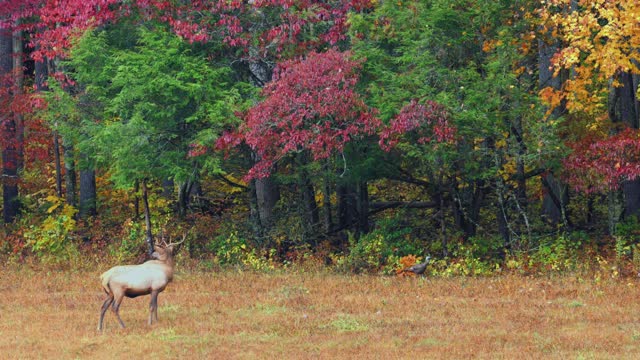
(418, 269)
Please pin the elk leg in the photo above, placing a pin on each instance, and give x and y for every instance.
(116, 308)
(105, 306)
(153, 307)
(155, 310)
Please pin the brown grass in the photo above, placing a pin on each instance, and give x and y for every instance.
(323, 316)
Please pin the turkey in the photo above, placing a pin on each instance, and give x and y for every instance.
(418, 269)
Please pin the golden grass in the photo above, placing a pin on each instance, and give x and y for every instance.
(323, 316)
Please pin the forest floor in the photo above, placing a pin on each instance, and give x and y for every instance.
(246, 315)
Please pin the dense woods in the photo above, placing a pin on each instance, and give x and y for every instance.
(364, 134)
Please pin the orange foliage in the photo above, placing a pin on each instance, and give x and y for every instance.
(405, 262)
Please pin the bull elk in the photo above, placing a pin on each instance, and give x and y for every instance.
(150, 277)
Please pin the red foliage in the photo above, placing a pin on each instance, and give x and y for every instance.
(19, 14)
(603, 164)
(61, 21)
(233, 22)
(310, 106)
(429, 121)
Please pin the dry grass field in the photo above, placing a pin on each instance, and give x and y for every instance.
(246, 315)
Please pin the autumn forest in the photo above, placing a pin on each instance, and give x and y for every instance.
(361, 135)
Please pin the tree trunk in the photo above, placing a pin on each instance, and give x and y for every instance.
(615, 209)
(267, 195)
(8, 126)
(87, 193)
(147, 217)
(183, 197)
(623, 107)
(309, 208)
(58, 163)
(185, 193)
(327, 218)
(556, 198)
(167, 188)
(41, 75)
(254, 213)
(631, 192)
(467, 203)
(623, 103)
(443, 227)
(136, 200)
(502, 216)
(347, 206)
(18, 71)
(363, 207)
(503, 228)
(70, 173)
(521, 191)
(266, 191)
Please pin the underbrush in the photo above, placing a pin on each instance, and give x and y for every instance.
(58, 241)
(550, 260)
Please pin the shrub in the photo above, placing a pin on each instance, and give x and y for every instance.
(557, 254)
(626, 237)
(51, 240)
(130, 245)
(366, 254)
(232, 249)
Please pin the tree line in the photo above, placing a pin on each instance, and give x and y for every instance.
(310, 124)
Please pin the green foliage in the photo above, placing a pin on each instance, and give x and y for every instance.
(52, 240)
(156, 97)
(129, 246)
(146, 105)
(626, 237)
(478, 256)
(378, 250)
(465, 266)
(480, 247)
(366, 254)
(232, 249)
(61, 112)
(557, 254)
(474, 58)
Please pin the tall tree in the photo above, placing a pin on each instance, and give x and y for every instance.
(556, 197)
(310, 112)
(9, 146)
(599, 46)
(472, 59)
(154, 95)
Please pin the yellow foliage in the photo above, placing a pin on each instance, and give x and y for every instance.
(508, 170)
(602, 39)
(501, 143)
(55, 203)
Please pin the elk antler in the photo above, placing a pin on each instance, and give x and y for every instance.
(162, 238)
(184, 237)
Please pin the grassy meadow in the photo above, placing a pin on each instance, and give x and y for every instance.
(293, 315)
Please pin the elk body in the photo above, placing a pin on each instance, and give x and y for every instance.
(149, 278)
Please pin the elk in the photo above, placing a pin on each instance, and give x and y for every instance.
(150, 277)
